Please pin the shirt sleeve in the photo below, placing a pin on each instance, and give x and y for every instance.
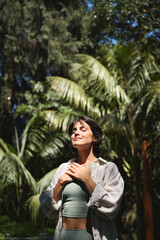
(48, 204)
(106, 197)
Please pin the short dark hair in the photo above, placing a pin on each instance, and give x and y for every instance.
(95, 128)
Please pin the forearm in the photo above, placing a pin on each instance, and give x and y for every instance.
(57, 190)
(90, 184)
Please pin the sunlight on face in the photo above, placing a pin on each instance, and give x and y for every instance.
(82, 135)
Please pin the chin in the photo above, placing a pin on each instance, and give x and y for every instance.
(75, 145)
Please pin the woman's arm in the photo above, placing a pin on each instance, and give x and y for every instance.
(106, 197)
(57, 190)
(50, 199)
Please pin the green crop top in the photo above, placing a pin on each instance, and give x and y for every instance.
(75, 197)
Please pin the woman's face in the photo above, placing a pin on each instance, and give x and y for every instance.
(82, 135)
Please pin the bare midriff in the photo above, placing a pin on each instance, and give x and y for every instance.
(76, 223)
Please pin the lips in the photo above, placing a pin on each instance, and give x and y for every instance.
(77, 138)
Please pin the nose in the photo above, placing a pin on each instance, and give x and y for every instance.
(76, 132)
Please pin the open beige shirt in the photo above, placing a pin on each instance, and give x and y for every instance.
(104, 201)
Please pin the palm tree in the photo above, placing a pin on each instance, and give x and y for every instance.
(39, 138)
(12, 170)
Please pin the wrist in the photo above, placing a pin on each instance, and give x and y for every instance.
(61, 182)
(90, 184)
(86, 179)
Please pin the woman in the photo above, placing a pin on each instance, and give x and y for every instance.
(86, 191)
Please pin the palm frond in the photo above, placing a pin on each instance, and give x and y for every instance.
(57, 119)
(37, 131)
(149, 101)
(142, 66)
(98, 76)
(153, 96)
(25, 135)
(46, 180)
(3, 149)
(126, 167)
(33, 204)
(60, 119)
(43, 136)
(74, 94)
(53, 144)
(113, 123)
(10, 168)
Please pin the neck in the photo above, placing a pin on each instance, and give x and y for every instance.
(84, 156)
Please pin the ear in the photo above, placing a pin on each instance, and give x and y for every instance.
(95, 139)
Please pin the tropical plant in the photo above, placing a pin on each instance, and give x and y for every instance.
(39, 139)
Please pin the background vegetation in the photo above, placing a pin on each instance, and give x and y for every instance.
(62, 59)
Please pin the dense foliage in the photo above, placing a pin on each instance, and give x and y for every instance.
(62, 59)
(23, 229)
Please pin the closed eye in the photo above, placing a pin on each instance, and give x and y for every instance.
(82, 128)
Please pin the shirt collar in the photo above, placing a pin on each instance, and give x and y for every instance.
(101, 160)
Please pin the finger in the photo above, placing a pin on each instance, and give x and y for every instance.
(71, 175)
(70, 172)
(75, 164)
(73, 167)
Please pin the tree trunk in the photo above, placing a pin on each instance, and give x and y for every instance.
(139, 201)
(6, 119)
(149, 235)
